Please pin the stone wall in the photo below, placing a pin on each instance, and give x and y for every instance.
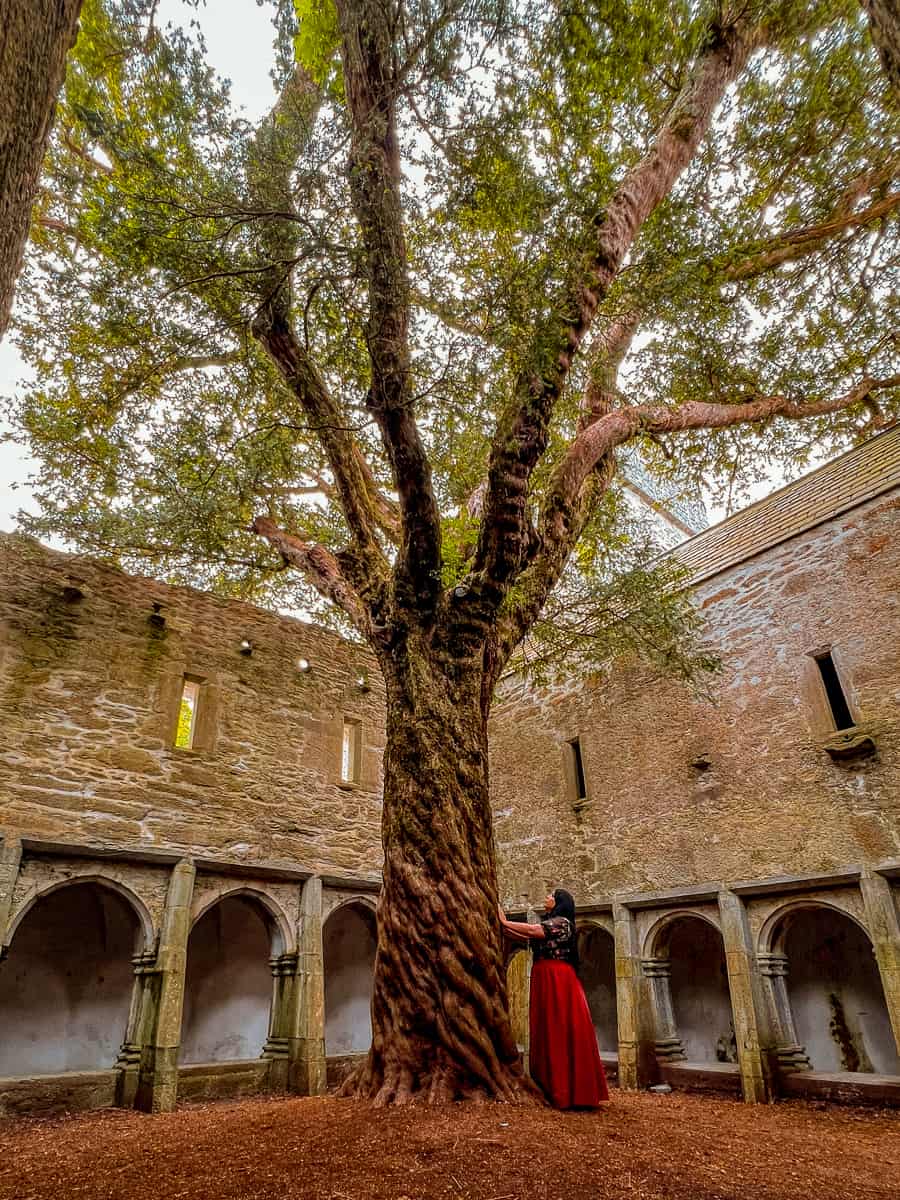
(683, 791)
(92, 665)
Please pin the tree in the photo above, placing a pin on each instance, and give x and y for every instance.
(36, 36)
(389, 342)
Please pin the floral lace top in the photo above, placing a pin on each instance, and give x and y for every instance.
(557, 942)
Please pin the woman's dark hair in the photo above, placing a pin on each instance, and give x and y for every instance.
(564, 906)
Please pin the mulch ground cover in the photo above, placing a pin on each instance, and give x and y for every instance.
(648, 1146)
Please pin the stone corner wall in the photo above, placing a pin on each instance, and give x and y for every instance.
(92, 666)
(684, 791)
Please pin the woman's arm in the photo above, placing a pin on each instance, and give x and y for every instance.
(520, 930)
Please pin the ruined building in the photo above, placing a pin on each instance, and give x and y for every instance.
(190, 802)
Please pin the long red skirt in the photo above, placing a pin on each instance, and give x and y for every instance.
(562, 1055)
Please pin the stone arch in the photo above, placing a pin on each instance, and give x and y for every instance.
(66, 986)
(775, 927)
(349, 940)
(279, 925)
(692, 997)
(597, 950)
(656, 940)
(837, 1015)
(146, 932)
(228, 976)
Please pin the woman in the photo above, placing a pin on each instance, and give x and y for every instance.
(562, 1055)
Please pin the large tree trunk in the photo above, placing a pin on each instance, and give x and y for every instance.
(35, 37)
(439, 1013)
(884, 22)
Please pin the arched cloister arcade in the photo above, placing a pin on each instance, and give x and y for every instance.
(825, 992)
(228, 979)
(66, 984)
(685, 963)
(349, 941)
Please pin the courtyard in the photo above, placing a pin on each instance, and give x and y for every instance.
(656, 1147)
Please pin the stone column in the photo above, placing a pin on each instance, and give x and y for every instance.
(518, 989)
(637, 1062)
(669, 1046)
(884, 930)
(747, 1000)
(305, 1026)
(10, 858)
(276, 1049)
(789, 1054)
(128, 1062)
(157, 1088)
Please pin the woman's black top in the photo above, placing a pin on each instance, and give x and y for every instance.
(558, 941)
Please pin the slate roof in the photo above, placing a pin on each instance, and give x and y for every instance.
(857, 476)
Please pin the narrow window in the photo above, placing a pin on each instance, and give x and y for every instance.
(579, 786)
(187, 714)
(840, 709)
(350, 746)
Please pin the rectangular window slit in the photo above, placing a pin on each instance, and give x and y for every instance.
(840, 709)
(350, 751)
(187, 714)
(578, 770)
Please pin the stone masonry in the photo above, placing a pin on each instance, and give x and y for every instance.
(735, 858)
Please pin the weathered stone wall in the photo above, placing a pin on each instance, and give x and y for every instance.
(92, 664)
(683, 791)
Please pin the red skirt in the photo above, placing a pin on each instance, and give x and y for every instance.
(562, 1055)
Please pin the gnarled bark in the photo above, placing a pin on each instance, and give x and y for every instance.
(439, 1015)
(35, 37)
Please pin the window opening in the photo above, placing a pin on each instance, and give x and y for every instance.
(578, 770)
(187, 714)
(840, 709)
(350, 744)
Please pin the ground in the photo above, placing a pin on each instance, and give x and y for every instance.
(652, 1147)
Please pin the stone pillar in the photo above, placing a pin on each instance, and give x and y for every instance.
(747, 1000)
(157, 1088)
(10, 857)
(884, 930)
(789, 1054)
(128, 1062)
(637, 1062)
(276, 1049)
(518, 990)
(669, 1046)
(305, 1026)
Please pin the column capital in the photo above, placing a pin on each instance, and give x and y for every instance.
(657, 968)
(773, 964)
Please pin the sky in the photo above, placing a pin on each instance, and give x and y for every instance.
(239, 44)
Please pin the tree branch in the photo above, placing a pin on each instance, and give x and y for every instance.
(523, 431)
(319, 566)
(371, 87)
(797, 243)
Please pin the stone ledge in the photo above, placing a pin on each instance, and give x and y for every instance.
(843, 1087)
(46, 1095)
(701, 894)
(339, 1066)
(724, 1078)
(778, 884)
(223, 1080)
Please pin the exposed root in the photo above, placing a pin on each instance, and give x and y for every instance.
(396, 1086)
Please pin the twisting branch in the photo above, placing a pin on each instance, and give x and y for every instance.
(523, 430)
(371, 85)
(319, 567)
(584, 474)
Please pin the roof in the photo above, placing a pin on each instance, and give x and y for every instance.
(857, 476)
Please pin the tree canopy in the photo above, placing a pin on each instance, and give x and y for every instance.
(167, 224)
